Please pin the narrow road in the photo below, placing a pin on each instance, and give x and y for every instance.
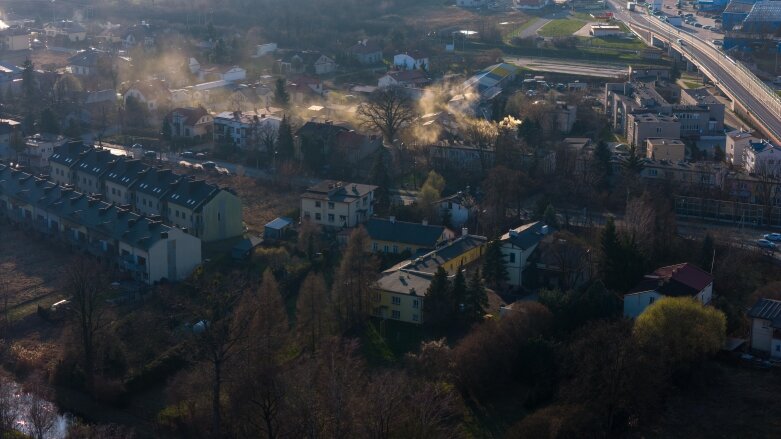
(554, 65)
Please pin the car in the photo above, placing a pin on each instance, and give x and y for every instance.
(689, 15)
(764, 243)
(150, 155)
(775, 237)
(209, 165)
(200, 155)
(698, 25)
(718, 20)
(707, 27)
(680, 42)
(718, 42)
(188, 155)
(222, 171)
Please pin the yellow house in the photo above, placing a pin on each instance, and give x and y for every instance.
(391, 236)
(400, 292)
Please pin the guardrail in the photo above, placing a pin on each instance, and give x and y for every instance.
(753, 85)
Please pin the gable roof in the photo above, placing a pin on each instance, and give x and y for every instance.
(155, 182)
(87, 58)
(326, 130)
(676, 280)
(418, 234)
(69, 153)
(364, 48)
(525, 236)
(126, 171)
(191, 194)
(767, 309)
(429, 262)
(190, 115)
(95, 162)
(409, 76)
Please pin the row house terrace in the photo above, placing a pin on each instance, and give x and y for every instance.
(142, 246)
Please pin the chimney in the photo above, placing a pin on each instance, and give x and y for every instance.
(464, 231)
(392, 219)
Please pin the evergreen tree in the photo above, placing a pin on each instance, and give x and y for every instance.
(458, 291)
(379, 176)
(530, 131)
(281, 96)
(633, 164)
(494, 265)
(285, 145)
(438, 304)
(611, 253)
(707, 253)
(28, 82)
(476, 300)
(602, 167)
(49, 123)
(550, 216)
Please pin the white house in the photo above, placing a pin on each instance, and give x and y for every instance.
(457, 208)
(766, 327)
(517, 245)
(233, 74)
(674, 281)
(737, 141)
(155, 94)
(338, 204)
(39, 147)
(245, 130)
(403, 78)
(762, 158)
(471, 3)
(413, 60)
(265, 49)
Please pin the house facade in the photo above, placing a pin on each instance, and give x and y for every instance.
(15, 38)
(672, 281)
(244, 130)
(762, 158)
(366, 52)
(392, 236)
(765, 318)
(39, 148)
(338, 204)
(190, 123)
(413, 60)
(736, 143)
(517, 246)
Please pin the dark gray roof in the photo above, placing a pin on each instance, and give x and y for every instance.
(418, 234)
(767, 309)
(526, 236)
(126, 171)
(95, 162)
(69, 153)
(338, 190)
(191, 194)
(155, 182)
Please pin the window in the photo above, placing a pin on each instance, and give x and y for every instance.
(396, 300)
(396, 315)
(651, 300)
(512, 257)
(306, 214)
(395, 249)
(416, 303)
(374, 246)
(415, 318)
(385, 248)
(318, 217)
(318, 204)
(330, 205)
(330, 217)
(342, 218)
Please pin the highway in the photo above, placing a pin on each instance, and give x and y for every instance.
(733, 78)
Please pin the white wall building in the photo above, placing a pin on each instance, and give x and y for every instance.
(517, 245)
(762, 158)
(736, 144)
(674, 281)
(338, 204)
(413, 60)
(765, 318)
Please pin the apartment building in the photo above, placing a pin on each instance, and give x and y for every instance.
(643, 126)
(144, 247)
(671, 150)
(763, 158)
(736, 144)
(338, 204)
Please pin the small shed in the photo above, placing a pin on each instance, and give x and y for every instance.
(243, 249)
(276, 229)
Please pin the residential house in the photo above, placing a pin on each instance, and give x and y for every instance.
(233, 74)
(702, 174)
(558, 262)
(63, 160)
(153, 93)
(678, 280)
(736, 144)
(366, 52)
(38, 149)
(90, 62)
(145, 248)
(351, 149)
(203, 209)
(317, 139)
(306, 62)
(762, 158)
(457, 208)
(392, 236)
(765, 318)
(517, 246)
(195, 124)
(141, 34)
(119, 180)
(642, 126)
(245, 130)
(69, 29)
(277, 229)
(400, 292)
(471, 3)
(447, 155)
(338, 204)
(412, 60)
(531, 4)
(88, 172)
(671, 150)
(305, 88)
(149, 189)
(265, 49)
(404, 78)
(15, 38)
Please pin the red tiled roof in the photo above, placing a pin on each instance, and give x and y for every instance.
(686, 274)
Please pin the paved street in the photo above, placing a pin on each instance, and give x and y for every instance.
(569, 67)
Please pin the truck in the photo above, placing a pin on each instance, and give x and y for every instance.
(630, 6)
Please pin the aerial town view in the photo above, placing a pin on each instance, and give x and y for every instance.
(390, 219)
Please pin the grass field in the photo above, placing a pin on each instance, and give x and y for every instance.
(561, 28)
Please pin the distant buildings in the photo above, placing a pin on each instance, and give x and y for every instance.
(338, 204)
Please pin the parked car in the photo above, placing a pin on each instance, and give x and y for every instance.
(185, 164)
(200, 155)
(150, 155)
(188, 155)
(775, 237)
(764, 243)
(209, 166)
(698, 25)
(222, 171)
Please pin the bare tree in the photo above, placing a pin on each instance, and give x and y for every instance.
(86, 284)
(9, 411)
(353, 281)
(313, 311)
(41, 414)
(388, 110)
